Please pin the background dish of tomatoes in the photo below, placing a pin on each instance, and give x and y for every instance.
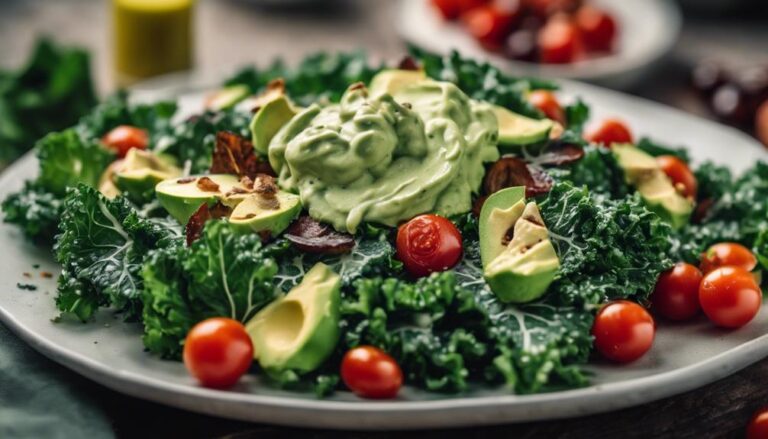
(610, 43)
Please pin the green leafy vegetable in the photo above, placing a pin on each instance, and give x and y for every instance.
(101, 247)
(116, 110)
(222, 274)
(35, 210)
(599, 171)
(656, 149)
(50, 93)
(67, 160)
(608, 248)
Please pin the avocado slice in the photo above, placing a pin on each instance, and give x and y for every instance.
(523, 269)
(107, 180)
(392, 81)
(300, 330)
(257, 213)
(273, 110)
(518, 130)
(227, 97)
(657, 190)
(181, 197)
(140, 171)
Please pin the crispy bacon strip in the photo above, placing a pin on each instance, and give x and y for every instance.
(311, 236)
(234, 154)
(196, 223)
(511, 171)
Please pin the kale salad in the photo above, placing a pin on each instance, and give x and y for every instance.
(342, 225)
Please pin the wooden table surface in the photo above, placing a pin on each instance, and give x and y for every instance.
(232, 33)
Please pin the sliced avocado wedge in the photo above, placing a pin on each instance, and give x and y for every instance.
(656, 189)
(259, 214)
(107, 180)
(300, 330)
(499, 213)
(518, 130)
(273, 110)
(227, 97)
(140, 171)
(522, 269)
(393, 81)
(181, 197)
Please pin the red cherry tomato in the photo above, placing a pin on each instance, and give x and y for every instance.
(676, 296)
(547, 103)
(623, 331)
(428, 243)
(730, 297)
(125, 137)
(490, 24)
(680, 174)
(452, 9)
(545, 8)
(609, 132)
(597, 27)
(371, 373)
(727, 253)
(559, 41)
(758, 426)
(218, 351)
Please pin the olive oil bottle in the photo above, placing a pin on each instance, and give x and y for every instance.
(151, 37)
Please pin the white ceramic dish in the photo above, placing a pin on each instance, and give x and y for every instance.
(110, 352)
(648, 31)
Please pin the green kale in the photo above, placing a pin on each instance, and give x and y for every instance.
(101, 247)
(224, 273)
(50, 93)
(599, 171)
(36, 211)
(577, 114)
(319, 76)
(608, 249)
(713, 181)
(116, 110)
(656, 149)
(192, 142)
(66, 160)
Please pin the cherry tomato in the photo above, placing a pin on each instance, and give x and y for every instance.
(559, 41)
(547, 103)
(676, 296)
(545, 8)
(727, 253)
(428, 243)
(452, 9)
(609, 132)
(680, 174)
(218, 351)
(758, 426)
(125, 137)
(490, 24)
(623, 331)
(597, 27)
(371, 373)
(730, 297)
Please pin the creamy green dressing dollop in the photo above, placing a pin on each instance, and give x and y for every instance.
(385, 159)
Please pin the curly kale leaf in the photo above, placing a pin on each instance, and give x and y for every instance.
(319, 76)
(599, 171)
(656, 149)
(739, 213)
(101, 246)
(36, 211)
(608, 249)
(116, 110)
(192, 141)
(67, 160)
(224, 273)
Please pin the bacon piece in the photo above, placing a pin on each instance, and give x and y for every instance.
(205, 184)
(311, 236)
(511, 171)
(408, 63)
(196, 223)
(234, 154)
(186, 180)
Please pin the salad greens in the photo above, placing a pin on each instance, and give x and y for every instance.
(49, 93)
(447, 331)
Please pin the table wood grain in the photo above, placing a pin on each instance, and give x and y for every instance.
(233, 33)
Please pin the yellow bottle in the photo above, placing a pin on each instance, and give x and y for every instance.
(151, 37)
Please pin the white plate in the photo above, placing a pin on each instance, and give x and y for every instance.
(110, 352)
(648, 31)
